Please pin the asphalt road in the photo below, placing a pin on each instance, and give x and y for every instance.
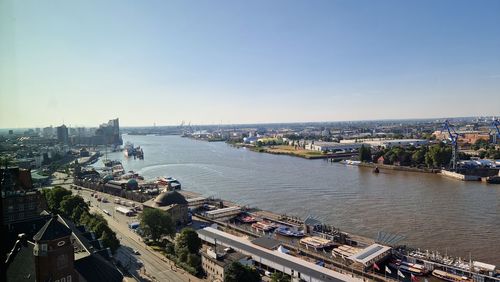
(155, 265)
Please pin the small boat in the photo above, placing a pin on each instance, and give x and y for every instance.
(263, 226)
(285, 231)
(170, 181)
(449, 276)
(408, 267)
(247, 219)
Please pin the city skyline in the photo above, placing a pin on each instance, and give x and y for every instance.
(246, 63)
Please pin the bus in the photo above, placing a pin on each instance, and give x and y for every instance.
(125, 211)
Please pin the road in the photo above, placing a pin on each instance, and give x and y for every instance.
(155, 265)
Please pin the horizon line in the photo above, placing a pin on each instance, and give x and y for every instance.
(269, 123)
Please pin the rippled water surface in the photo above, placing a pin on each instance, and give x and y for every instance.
(431, 211)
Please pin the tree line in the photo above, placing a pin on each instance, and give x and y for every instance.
(434, 156)
(61, 201)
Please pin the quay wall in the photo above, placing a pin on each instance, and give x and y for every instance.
(459, 176)
(400, 168)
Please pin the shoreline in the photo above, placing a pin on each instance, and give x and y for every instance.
(400, 168)
(355, 239)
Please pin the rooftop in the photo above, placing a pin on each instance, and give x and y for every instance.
(369, 253)
(55, 228)
(279, 259)
(170, 198)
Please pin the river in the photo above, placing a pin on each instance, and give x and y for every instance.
(433, 212)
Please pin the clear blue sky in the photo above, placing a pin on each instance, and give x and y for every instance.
(208, 62)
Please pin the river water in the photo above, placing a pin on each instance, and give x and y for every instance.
(433, 212)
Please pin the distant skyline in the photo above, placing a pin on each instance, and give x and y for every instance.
(237, 62)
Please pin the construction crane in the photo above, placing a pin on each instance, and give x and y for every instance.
(453, 137)
(494, 127)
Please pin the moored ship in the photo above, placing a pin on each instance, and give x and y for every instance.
(288, 232)
(408, 267)
(449, 276)
(263, 226)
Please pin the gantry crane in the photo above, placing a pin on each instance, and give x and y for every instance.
(453, 137)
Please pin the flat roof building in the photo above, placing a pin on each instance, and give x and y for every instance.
(371, 254)
(273, 259)
(223, 213)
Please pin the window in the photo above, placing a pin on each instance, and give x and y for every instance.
(68, 278)
(62, 262)
(43, 247)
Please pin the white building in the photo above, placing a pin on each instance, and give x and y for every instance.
(333, 146)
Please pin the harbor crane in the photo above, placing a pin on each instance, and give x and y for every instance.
(453, 137)
(495, 131)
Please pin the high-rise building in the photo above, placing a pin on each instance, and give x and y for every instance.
(48, 132)
(108, 133)
(62, 134)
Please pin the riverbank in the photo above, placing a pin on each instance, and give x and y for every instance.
(291, 151)
(354, 199)
(400, 168)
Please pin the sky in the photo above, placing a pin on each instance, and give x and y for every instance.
(209, 62)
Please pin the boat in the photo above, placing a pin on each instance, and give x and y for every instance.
(493, 180)
(247, 219)
(170, 181)
(449, 276)
(408, 267)
(110, 163)
(130, 151)
(139, 153)
(263, 226)
(286, 231)
(351, 162)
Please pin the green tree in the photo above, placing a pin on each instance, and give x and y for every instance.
(109, 239)
(194, 260)
(156, 224)
(418, 157)
(482, 154)
(237, 272)
(77, 214)
(280, 277)
(70, 202)
(100, 227)
(481, 143)
(493, 153)
(365, 154)
(438, 156)
(188, 238)
(54, 197)
(181, 253)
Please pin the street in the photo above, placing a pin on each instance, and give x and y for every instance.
(155, 265)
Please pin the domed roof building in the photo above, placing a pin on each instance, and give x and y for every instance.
(170, 198)
(132, 184)
(171, 202)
